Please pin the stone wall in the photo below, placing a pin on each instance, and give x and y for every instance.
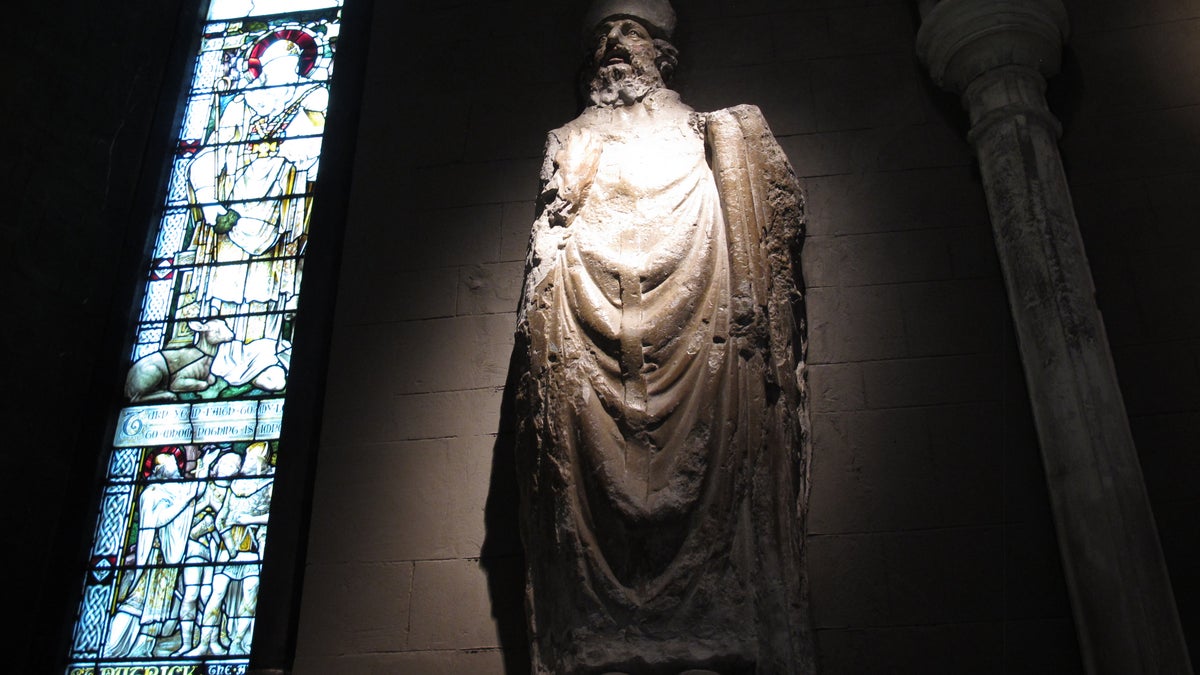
(931, 548)
(1130, 100)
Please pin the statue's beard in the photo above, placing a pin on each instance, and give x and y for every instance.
(624, 83)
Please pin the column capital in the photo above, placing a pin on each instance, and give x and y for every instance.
(961, 40)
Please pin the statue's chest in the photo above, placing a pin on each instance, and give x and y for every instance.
(652, 194)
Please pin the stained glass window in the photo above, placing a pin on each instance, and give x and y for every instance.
(176, 556)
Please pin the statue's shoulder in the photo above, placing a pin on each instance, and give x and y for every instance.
(557, 136)
(745, 115)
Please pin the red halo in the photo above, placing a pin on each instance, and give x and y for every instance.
(303, 40)
(180, 459)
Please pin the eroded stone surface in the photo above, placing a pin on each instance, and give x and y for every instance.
(663, 444)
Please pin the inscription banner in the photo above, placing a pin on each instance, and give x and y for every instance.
(213, 422)
(164, 668)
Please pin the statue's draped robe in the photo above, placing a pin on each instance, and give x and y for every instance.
(663, 431)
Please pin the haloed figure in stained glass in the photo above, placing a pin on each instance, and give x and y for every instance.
(250, 196)
(147, 609)
(198, 547)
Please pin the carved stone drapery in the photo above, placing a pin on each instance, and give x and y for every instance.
(662, 449)
(996, 54)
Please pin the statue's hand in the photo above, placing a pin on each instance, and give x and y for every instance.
(558, 210)
(226, 221)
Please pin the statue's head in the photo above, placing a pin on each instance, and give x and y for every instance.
(629, 53)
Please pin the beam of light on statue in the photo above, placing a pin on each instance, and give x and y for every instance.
(663, 441)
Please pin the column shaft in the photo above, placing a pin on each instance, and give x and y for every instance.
(996, 54)
(1121, 594)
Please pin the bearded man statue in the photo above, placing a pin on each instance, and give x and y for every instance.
(663, 440)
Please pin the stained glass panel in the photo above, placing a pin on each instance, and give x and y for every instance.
(178, 545)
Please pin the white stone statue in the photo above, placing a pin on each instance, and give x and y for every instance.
(663, 441)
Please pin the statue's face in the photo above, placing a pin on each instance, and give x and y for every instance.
(623, 62)
(621, 42)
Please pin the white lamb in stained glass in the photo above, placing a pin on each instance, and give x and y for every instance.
(164, 374)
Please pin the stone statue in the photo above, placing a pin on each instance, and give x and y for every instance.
(663, 440)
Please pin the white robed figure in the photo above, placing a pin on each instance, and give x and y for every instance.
(249, 188)
(148, 610)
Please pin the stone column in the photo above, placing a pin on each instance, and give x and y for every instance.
(996, 54)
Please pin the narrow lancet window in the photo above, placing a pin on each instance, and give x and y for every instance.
(176, 556)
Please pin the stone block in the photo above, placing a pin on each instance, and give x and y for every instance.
(1093, 16)
(836, 386)
(728, 42)
(1033, 571)
(478, 183)
(458, 413)
(841, 30)
(946, 576)
(871, 472)
(967, 447)
(897, 147)
(386, 126)
(847, 580)
(878, 258)
(1174, 201)
(1166, 447)
(973, 252)
(421, 356)
(782, 92)
(467, 352)
(867, 91)
(902, 200)
(1161, 278)
(490, 289)
(361, 416)
(819, 261)
(1124, 56)
(1026, 496)
(354, 607)
(1120, 308)
(912, 468)
(1180, 534)
(507, 127)
(377, 290)
(823, 154)
(932, 381)
(362, 362)
(1148, 143)
(1042, 646)
(1158, 378)
(502, 536)
(416, 500)
(1107, 209)
(445, 237)
(451, 599)
(432, 662)
(919, 146)
(855, 323)
(974, 648)
(515, 228)
(956, 317)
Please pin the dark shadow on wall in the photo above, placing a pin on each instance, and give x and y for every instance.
(501, 556)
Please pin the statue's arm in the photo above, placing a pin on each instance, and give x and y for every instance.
(764, 212)
(543, 237)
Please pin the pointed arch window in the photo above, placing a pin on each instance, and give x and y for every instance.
(176, 561)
